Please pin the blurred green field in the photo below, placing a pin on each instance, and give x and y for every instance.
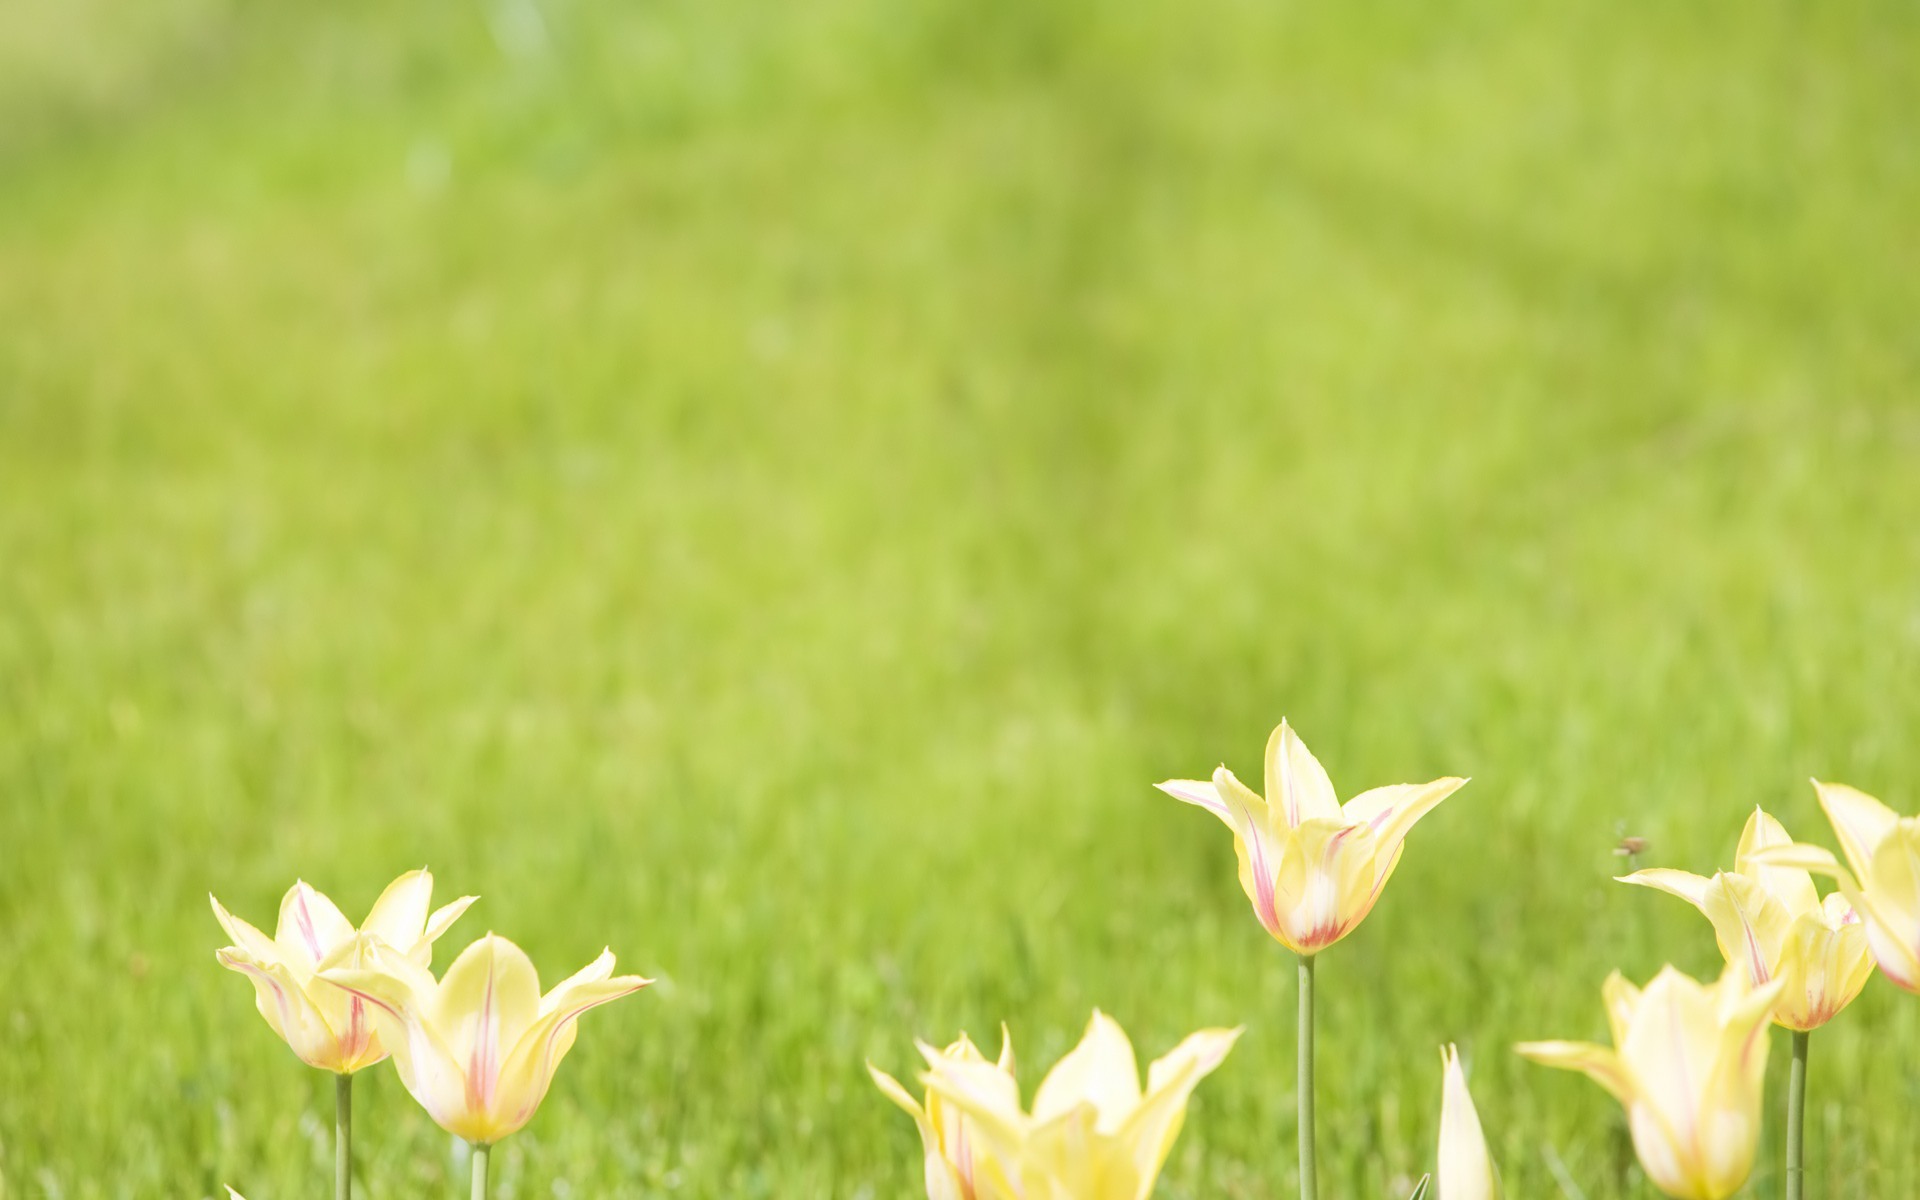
(770, 487)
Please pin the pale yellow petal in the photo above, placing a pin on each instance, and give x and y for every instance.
(1254, 846)
(1201, 794)
(245, 936)
(1597, 1063)
(942, 1180)
(1100, 1071)
(1750, 923)
(535, 1056)
(283, 1000)
(1298, 789)
(1466, 1170)
(399, 916)
(1792, 886)
(1391, 812)
(1152, 1128)
(1859, 821)
(311, 925)
(1327, 883)
(1823, 967)
(400, 996)
(1684, 884)
(1621, 997)
(1892, 904)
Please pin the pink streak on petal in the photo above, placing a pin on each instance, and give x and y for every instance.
(304, 919)
(1263, 906)
(481, 1062)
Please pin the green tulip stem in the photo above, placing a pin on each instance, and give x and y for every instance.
(1797, 1115)
(480, 1170)
(1307, 1186)
(342, 1137)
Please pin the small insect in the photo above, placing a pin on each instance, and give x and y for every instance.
(1629, 847)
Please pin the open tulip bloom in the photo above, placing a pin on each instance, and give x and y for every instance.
(1466, 1169)
(1687, 1062)
(957, 1160)
(478, 1047)
(1093, 1133)
(1881, 878)
(1311, 866)
(326, 1027)
(1770, 921)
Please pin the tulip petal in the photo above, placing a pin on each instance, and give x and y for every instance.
(1598, 1063)
(1100, 1071)
(1684, 884)
(1750, 923)
(1791, 885)
(1859, 821)
(1298, 789)
(1823, 967)
(1466, 1169)
(1327, 884)
(1253, 845)
(1154, 1125)
(400, 996)
(399, 916)
(486, 1000)
(1621, 997)
(1892, 901)
(245, 936)
(532, 1060)
(943, 1181)
(310, 924)
(985, 1094)
(1199, 793)
(288, 1009)
(1392, 811)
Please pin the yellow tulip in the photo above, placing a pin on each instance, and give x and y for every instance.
(1687, 1062)
(958, 1165)
(1312, 867)
(1883, 850)
(1771, 922)
(1093, 1133)
(324, 1026)
(1466, 1169)
(478, 1047)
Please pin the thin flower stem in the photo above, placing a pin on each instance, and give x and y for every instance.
(343, 1137)
(480, 1171)
(1796, 1115)
(1307, 1181)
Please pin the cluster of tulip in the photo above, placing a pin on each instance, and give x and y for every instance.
(477, 1048)
(1687, 1062)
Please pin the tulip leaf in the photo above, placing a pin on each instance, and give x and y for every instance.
(1420, 1189)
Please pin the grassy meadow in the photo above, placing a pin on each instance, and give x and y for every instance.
(770, 487)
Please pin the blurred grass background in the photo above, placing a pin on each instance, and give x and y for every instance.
(771, 486)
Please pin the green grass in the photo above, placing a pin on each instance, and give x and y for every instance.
(770, 487)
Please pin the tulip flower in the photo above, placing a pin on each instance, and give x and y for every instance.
(325, 1027)
(1466, 1169)
(1311, 866)
(958, 1165)
(1881, 879)
(1687, 1062)
(478, 1047)
(1770, 921)
(1093, 1132)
